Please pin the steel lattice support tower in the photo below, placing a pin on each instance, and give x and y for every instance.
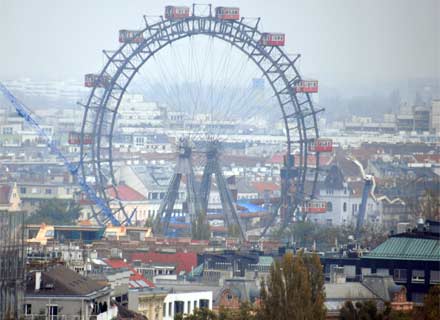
(12, 264)
(183, 168)
(213, 168)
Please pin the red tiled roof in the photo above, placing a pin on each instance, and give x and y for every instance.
(277, 158)
(135, 276)
(263, 186)
(184, 260)
(126, 193)
(117, 263)
(435, 158)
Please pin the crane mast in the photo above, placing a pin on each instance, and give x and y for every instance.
(24, 112)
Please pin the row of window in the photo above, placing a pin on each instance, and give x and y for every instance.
(401, 275)
(48, 191)
(179, 307)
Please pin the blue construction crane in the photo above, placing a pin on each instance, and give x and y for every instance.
(24, 112)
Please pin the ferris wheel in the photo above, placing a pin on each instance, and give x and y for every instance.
(194, 60)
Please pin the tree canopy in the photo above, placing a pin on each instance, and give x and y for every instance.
(294, 289)
(55, 212)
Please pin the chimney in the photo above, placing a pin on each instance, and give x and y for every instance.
(337, 275)
(420, 225)
(37, 280)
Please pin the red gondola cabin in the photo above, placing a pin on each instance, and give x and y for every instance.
(130, 36)
(315, 206)
(273, 39)
(92, 80)
(307, 86)
(176, 13)
(321, 145)
(75, 138)
(227, 13)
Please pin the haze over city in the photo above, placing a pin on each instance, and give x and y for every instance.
(233, 160)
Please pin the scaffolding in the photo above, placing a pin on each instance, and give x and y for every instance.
(12, 264)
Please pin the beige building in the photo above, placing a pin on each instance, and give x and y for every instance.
(148, 302)
(9, 198)
(435, 116)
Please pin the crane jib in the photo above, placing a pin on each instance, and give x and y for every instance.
(24, 112)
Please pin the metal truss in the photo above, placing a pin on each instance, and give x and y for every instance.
(277, 66)
(183, 169)
(212, 168)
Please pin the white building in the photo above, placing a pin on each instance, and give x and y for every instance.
(186, 302)
(135, 112)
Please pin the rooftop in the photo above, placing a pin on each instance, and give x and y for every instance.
(61, 281)
(407, 248)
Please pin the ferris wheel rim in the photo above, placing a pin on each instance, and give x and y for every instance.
(241, 30)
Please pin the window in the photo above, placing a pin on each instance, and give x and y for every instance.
(195, 304)
(178, 307)
(384, 272)
(22, 190)
(434, 277)
(27, 309)
(7, 130)
(329, 206)
(164, 311)
(400, 275)
(417, 297)
(344, 207)
(365, 271)
(170, 310)
(52, 311)
(188, 307)
(204, 303)
(48, 191)
(418, 276)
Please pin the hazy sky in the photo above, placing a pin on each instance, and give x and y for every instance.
(341, 41)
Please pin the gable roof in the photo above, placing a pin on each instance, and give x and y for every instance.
(125, 193)
(61, 281)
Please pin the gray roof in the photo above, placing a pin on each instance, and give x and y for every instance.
(353, 291)
(61, 281)
(245, 289)
(383, 286)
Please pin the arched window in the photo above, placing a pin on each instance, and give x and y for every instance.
(329, 206)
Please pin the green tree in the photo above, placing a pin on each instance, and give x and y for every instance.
(348, 311)
(431, 307)
(288, 293)
(150, 222)
(198, 314)
(360, 311)
(316, 275)
(245, 312)
(200, 227)
(368, 311)
(55, 212)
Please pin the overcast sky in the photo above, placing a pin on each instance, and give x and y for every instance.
(341, 41)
